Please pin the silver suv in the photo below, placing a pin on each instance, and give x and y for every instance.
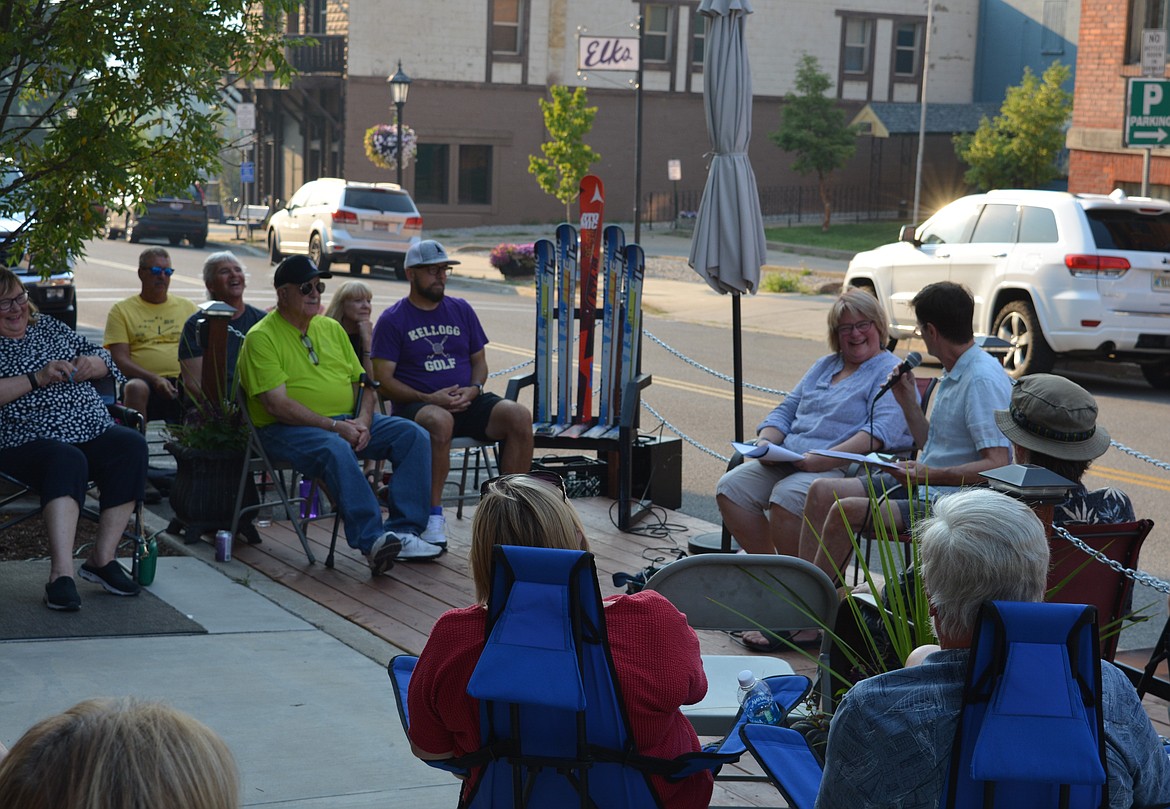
(332, 220)
(1054, 274)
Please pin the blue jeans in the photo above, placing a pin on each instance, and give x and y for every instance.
(323, 454)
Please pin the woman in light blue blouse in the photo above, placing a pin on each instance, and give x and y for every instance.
(832, 407)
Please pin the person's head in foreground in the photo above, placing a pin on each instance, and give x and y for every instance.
(119, 754)
(530, 510)
(979, 545)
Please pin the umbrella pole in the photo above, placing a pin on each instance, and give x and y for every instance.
(737, 363)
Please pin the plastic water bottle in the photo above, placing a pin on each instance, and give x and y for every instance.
(756, 698)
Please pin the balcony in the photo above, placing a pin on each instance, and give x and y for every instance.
(327, 57)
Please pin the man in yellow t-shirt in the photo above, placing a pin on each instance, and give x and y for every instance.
(301, 375)
(142, 333)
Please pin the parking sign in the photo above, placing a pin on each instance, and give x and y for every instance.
(1147, 113)
(247, 172)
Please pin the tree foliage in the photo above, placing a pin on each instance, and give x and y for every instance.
(106, 100)
(813, 128)
(1020, 148)
(567, 157)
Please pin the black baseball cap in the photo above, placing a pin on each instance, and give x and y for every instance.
(297, 270)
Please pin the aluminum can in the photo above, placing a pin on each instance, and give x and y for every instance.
(223, 546)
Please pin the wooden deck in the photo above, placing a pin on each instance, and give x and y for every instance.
(402, 606)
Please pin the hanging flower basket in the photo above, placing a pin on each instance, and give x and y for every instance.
(382, 145)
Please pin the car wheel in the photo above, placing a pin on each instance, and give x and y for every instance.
(198, 242)
(70, 319)
(1157, 374)
(274, 255)
(317, 253)
(174, 240)
(132, 237)
(400, 269)
(1030, 353)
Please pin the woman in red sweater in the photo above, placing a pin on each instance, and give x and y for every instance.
(655, 652)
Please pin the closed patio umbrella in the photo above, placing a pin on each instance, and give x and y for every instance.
(728, 246)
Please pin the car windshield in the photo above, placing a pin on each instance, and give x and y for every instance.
(1129, 230)
(377, 199)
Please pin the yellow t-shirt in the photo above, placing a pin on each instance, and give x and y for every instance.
(152, 331)
(273, 355)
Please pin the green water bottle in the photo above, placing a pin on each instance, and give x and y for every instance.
(147, 561)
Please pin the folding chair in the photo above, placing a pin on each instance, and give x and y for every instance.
(553, 725)
(1030, 732)
(475, 459)
(740, 592)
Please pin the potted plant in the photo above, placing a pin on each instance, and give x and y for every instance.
(209, 449)
(514, 260)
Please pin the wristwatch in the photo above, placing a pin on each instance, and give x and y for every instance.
(478, 385)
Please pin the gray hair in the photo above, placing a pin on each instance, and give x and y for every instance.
(212, 264)
(980, 545)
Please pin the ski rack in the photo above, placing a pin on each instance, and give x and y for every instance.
(630, 510)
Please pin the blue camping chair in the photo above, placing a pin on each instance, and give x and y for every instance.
(1030, 732)
(561, 738)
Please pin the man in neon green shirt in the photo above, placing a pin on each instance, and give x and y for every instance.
(142, 334)
(301, 377)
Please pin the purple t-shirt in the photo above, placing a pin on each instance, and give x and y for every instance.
(431, 350)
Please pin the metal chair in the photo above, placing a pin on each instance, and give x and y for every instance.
(741, 592)
(475, 459)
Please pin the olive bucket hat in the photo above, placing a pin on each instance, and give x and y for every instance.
(1056, 417)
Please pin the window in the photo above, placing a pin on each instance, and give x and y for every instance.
(698, 39)
(950, 225)
(906, 48)
(316, 16)
(858, 33)
(1052, 34)
(997, 223)
(475, 175)
(431, 173)
(506, 16)
(1037, 225)
(1143, 14)
(656, 37)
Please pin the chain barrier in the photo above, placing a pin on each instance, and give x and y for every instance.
(515, 367)
(712, 371)
(1141, 456)
(1137, 575)
(681, 434)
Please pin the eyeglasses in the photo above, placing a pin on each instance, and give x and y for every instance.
(308, 287)
(307, 343)
(8, 303)
(862, 327)
(539, 475)
(167, 271)
(435, 270)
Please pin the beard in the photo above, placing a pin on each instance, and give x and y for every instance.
(434, 293)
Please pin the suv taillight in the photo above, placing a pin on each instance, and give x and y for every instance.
(1090, 266)
(414, 223)
(344, 217)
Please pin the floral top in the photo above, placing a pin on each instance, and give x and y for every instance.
(70, 412)
(1106, 506)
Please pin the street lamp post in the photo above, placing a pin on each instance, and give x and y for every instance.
(399, 89)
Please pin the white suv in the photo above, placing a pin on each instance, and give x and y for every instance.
(332, 220)
(1053, 273)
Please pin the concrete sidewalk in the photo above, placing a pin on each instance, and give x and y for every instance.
(300, 694)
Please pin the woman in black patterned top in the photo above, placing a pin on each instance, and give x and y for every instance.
(57, 435)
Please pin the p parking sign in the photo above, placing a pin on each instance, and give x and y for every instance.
(1147, 113)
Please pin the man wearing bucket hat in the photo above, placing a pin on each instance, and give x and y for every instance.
(301, 377)
(428, 352)
(1052, 422)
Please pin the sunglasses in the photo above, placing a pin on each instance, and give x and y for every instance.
(308, 287)
(307, 343)
(539, 475)
(167, 271)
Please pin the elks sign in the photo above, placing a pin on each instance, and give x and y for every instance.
(607, 53)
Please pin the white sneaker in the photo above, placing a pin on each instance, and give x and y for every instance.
(413, 547)
(436, 532)
(383, 553)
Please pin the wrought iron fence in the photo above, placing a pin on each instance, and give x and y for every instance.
(788, 204)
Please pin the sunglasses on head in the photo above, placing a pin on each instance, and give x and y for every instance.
(308, 287)
(540, 475)
(167, 271)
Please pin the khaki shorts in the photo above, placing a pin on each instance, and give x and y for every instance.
(752, 485)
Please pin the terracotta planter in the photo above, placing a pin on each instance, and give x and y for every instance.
(203, 495)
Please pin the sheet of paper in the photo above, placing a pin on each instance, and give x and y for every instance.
(768, 452)
(868, 460)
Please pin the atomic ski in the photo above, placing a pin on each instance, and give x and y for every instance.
(566, 287)
(631, 328)
(546, 275)
(591, 201)
(614, 273)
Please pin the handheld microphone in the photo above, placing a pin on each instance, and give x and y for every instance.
(913, 360)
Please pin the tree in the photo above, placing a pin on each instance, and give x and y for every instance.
(813, 128)
(1019, 149)
(110, 100)
(567, 157)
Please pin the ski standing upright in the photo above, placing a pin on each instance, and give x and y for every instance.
(591, 201)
